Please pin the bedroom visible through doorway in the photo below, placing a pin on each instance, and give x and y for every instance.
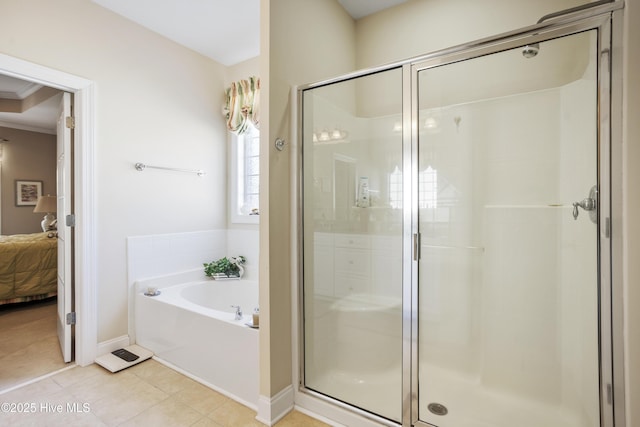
(36, 162)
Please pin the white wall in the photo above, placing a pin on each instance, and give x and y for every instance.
(157, 103)
(163, 254)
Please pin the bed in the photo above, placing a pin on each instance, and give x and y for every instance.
(28, 267)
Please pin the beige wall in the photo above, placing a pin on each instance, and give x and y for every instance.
(242, 70)
(157, 103)
(631, 200)
(26, 156)
(423, 26)
(303, 41)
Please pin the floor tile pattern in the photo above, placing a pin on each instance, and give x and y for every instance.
(147, 394)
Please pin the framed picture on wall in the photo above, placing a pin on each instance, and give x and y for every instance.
(27, 192)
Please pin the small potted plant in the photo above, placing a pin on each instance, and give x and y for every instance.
(225, 268)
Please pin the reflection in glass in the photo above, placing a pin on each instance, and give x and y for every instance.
(352, 243)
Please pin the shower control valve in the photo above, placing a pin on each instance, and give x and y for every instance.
(590, 204)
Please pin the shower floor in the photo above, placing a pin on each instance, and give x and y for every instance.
(378, 392)
(469, 404)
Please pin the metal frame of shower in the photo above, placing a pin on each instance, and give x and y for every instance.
(607, 20)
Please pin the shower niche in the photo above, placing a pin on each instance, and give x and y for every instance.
(460, 291)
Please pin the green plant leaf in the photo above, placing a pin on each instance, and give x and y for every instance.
(226, 266)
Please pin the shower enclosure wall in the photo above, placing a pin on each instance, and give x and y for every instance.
(455, 246)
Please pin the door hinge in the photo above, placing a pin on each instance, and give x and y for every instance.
(71, 318)
(70, 122)
(70, 220)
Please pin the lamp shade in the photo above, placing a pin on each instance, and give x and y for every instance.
(46, 204)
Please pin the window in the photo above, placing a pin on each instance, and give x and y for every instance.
(245, 176)
(395, 189)
(428, 188)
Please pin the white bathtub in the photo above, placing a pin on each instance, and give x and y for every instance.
(192, 326)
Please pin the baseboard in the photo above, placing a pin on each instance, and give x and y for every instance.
(272, 409)
(105, 347)
(207, 384)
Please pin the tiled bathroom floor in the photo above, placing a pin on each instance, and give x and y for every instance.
(148, 394)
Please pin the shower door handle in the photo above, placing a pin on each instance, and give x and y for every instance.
(590, 204)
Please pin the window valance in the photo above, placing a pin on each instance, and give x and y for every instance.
(243, 105)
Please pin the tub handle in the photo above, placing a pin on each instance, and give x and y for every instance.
(238, 312)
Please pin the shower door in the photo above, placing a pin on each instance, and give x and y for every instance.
(507, 285)
(353, 224)
(455, 236)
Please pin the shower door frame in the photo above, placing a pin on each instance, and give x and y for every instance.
(607, 20)
(609, 415)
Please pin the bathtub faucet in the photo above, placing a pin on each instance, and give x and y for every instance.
(238, 312)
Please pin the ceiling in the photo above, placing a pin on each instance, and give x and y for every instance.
(39, 118)
(205, 25)
(201, 25)
(361, 8)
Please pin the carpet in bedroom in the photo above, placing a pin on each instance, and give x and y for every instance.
(29, 344)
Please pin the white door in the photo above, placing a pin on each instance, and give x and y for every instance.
(65, 231)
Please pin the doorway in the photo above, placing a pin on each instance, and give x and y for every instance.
(474, 287)
(84, 248)
(37, 281)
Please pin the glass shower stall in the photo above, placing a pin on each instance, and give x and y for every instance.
(455, 234)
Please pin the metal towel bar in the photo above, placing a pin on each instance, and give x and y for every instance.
(141, 166)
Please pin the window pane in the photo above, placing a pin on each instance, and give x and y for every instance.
(247, 174)
(252, 165)
(252, 184)
(252, 142)
(253, 201)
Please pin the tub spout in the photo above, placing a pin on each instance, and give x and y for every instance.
(238, 312)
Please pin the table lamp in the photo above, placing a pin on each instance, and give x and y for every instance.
(47, 204)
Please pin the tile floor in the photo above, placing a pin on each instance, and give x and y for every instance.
(148, 394)
(29, 344)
